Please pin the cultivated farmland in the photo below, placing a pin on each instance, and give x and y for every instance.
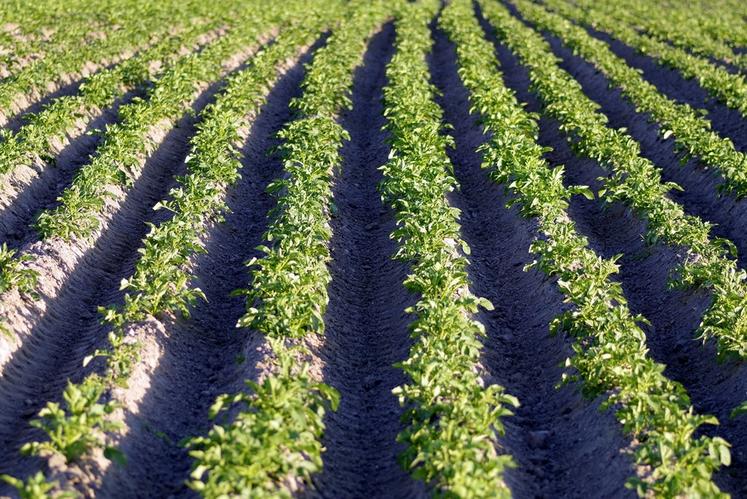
(388, 248)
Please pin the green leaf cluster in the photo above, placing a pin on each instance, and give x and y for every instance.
(610, 354)
(731, 89)
(692, 133)
(37, 140)
(14, 274)
(272, 444)
(76, 426)
(162, 281)
(636, 181)
(36, 486)
(452, 419)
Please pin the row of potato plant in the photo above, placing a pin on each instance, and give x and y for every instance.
(452, 418)
(45, 133)
(140, 22)
(80, 424)
(691, 131)
(677, 27)
(163, 278)
(118, 160)
(721, 20)
(610, 354)
(31, 29)
(636, 181)
(274, 444)
(731, 89)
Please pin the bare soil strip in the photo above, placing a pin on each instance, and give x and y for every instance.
(198, 358)
(726, 121)
(700, 197)
(64, 326)
(564, 446)
(366, 324)
(27, 193)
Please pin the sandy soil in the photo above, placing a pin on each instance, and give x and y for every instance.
(563, 444)
(366, 322)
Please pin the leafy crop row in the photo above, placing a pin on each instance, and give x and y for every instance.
(80, 423)
(729, 88)
(636, 181)
(611, 358)
(119, 159)
(45, 133)
(140, 22)
(692, 133)
(274, 445)
(451, 417)
(678, 27)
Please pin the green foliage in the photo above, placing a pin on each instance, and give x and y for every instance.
(162, 278)
(290, 280)
(452, 418)
(637, 182)
(740, 410)
(14, 275)
(274, 442)
(610, 355)
(36, 486)
(130, 27)
(78, 425)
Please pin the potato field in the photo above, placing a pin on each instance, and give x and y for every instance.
(373, 249)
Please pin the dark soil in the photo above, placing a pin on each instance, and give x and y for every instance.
(366, 324)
